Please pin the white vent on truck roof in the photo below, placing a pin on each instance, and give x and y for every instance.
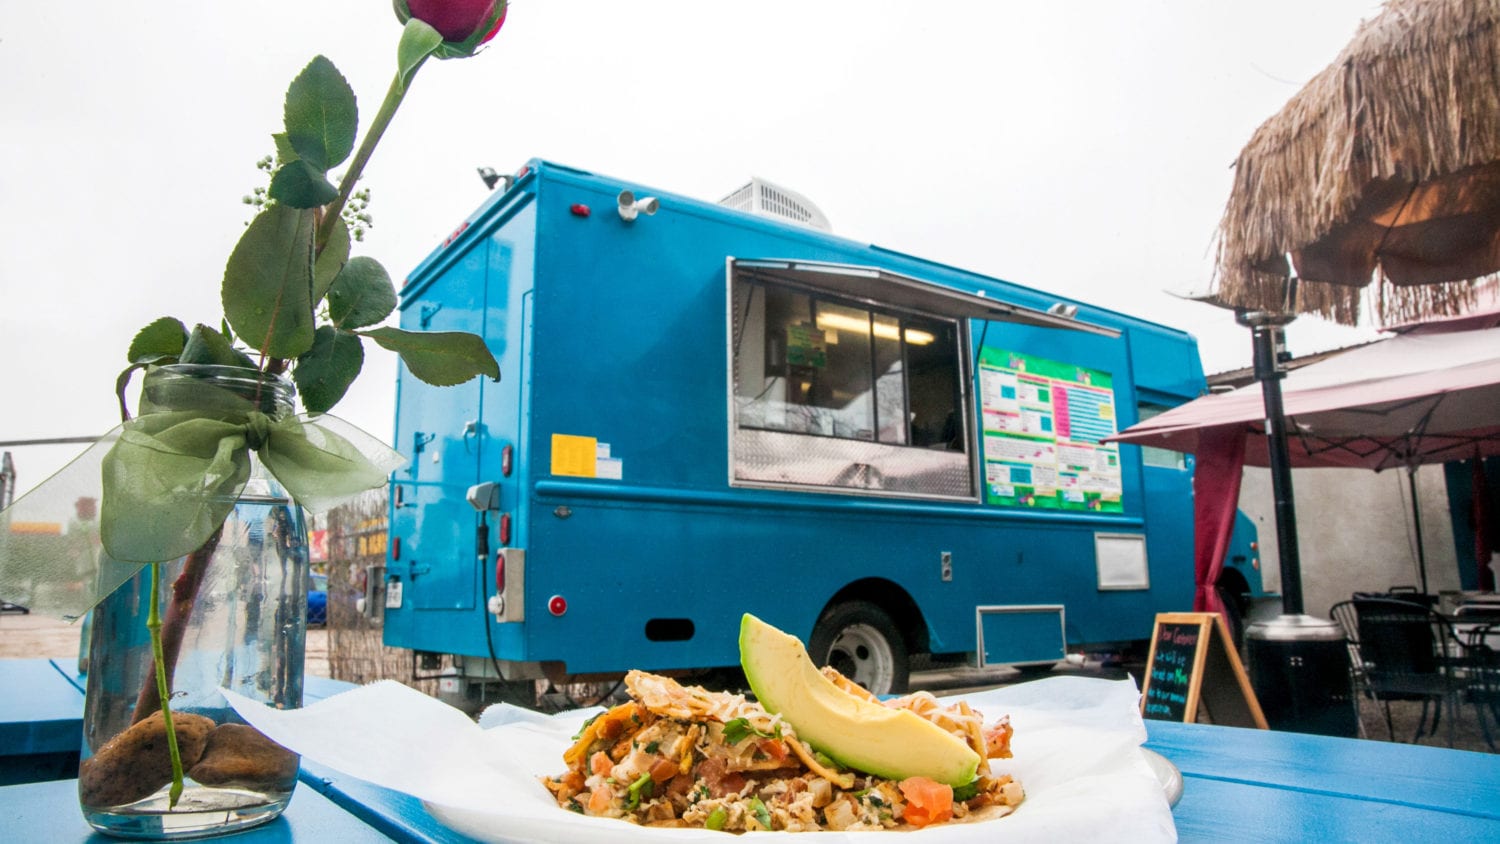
(762, 197)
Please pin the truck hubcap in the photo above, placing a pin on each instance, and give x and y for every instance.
(860, 653)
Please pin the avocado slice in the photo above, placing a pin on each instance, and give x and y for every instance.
(890, 743)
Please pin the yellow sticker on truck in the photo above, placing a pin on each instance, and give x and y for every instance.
(574, 456)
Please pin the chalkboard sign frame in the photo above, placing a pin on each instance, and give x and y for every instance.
(1205, 672)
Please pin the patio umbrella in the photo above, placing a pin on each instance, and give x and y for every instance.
(1408, 400)
(1383, 170)
(1417, 398)
(1380, 177)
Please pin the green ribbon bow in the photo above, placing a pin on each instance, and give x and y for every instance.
(168, 480)
(172, 477)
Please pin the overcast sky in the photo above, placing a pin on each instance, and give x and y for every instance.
(1079, 148)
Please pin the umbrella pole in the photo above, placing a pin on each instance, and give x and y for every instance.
(1416, 519)
(1265, 331)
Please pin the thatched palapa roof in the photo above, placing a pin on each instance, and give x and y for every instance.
(1384, 168)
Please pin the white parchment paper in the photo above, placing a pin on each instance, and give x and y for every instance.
(1076, 745)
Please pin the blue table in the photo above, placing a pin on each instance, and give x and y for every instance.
(41, 719)
(1261, 785)
(48, 811)
(1239, 785)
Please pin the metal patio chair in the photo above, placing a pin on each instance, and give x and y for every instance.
(1482, 679)
(1410, 653)
(1343, 614)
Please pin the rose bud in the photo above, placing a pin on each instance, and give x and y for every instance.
(464, 24)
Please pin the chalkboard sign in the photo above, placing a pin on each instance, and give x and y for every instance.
(1193, 665)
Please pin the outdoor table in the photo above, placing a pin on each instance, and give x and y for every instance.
(41, 719)
(1238, 785)
(48, 811)
(1262, 785)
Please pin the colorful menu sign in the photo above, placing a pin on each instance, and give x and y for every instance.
(1041, 423)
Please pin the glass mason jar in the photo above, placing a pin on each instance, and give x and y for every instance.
(233, 616)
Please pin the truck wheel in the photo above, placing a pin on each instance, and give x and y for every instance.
(862, 642)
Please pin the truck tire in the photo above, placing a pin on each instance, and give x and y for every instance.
(859, 639)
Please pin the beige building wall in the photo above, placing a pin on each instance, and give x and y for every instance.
(1355, 531)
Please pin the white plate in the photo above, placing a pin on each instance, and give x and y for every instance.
(1077, 755)
(1167, 773)
(484, 826)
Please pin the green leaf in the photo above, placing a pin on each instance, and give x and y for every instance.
(324, 374)
(206, 345)
(321, 116)
(284, 151)
(361, 295)
(418, 40)
(440, 358)
(267, 288)
(163, 338)
(330, 261)
(302, 185)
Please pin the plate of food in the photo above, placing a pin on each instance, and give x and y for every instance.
(808, 752)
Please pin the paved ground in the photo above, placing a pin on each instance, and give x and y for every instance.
(24, 636)
(27, 636)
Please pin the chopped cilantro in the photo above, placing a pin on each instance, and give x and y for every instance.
(738, 729)
(653, 747)
(642, 787)
(591, 719)
(965, 793)
(575, 806)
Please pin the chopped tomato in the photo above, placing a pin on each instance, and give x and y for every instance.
(720, 781)
(600, 798)
(600, 763)
(927, 801)
(774, 748)
(997, 739)
(663, 770)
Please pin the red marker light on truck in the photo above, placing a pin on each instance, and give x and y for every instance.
(456, 232)
(499, 572)
(557, 605)
(504, 528)
(579, 209)
(396, 548)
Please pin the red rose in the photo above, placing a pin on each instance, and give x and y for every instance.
(458, 20)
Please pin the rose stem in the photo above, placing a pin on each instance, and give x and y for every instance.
(184, 593)
(153, 624)
(393, 97)
(185, 589)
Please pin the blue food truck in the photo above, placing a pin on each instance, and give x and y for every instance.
(707, 409)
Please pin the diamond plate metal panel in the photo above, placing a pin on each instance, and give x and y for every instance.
(779, 458)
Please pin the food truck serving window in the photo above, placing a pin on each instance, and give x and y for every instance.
(837, 393)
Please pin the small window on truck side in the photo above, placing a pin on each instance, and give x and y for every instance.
(841, 395)
(1151, 455)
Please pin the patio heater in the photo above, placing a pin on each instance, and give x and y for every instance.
(1299, 664)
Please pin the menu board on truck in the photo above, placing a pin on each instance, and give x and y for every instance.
(1042, 421)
